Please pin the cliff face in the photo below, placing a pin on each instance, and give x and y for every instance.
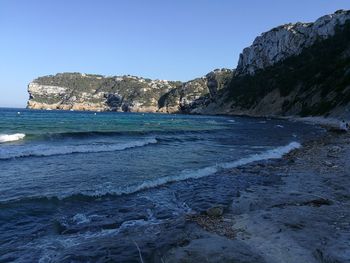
(287, 40)
(294, 69)
(97, 93)
(75, 91)
(194, 96)
(314, 81)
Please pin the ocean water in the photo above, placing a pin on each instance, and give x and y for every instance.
(85, 186)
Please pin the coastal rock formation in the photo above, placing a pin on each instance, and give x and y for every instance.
(194, 96)
(295, 69)
(287, 40)
(76, 91)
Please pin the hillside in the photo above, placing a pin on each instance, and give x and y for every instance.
(297, 69)
(76, 91)
(312, 81)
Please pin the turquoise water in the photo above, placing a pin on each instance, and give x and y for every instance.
(73, 164)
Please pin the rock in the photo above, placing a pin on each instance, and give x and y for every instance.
(215, 211)
(265, 82)
(280, 74)
(213, 249)
(335, 149)
(75, 91)
(287, 40)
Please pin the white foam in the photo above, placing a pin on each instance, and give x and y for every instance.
(269, 154)
(211, 122)
(48, 244)
(195, 174)
(45, 150)
(11, 137)
(275, 153)
(81, 219)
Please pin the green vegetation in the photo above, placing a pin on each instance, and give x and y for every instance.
(323, 68)
(126, 92)
(196, 92)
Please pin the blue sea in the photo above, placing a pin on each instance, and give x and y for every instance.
(85, 186)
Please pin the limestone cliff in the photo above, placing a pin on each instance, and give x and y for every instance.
(288, 73)
(76, 91)
(293, 69)
(287, 40)
(194, 96)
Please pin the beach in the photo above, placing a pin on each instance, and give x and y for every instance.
(302, 214)
(175, 132)
(234, 189)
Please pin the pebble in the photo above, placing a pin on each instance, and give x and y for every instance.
(215, 211)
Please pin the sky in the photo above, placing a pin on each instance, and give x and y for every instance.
(158, 39)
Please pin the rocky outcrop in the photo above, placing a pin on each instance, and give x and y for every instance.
(287, 40)
(194, 96)
(293, 70)
(76, 91)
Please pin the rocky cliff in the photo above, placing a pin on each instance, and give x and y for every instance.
(294, 69)
(288, 40)
(76, 91)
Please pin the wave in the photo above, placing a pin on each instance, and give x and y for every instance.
(11, 137)
(185, 175)
(99, 134)
(211, 122)
(275, 153)
(44, 150)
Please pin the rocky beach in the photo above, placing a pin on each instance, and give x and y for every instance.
(241, 165)
(301, 213)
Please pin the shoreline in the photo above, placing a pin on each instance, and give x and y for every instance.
(315, 120)
(238, 214)
(302, 216)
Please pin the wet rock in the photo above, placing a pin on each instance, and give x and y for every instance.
(213, 249)
(218, 225)
(215, 211)
(58, 227)
(335, 149)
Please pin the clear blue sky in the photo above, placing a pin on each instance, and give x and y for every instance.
(165, 39)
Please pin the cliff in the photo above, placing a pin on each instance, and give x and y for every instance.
(287, 40)
(297, 69)
(76, 91)
(283, 77)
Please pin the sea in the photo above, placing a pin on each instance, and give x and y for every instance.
(105, 187)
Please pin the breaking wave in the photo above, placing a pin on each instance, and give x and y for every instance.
(44, 150)
(11, 137)
(275, 153)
